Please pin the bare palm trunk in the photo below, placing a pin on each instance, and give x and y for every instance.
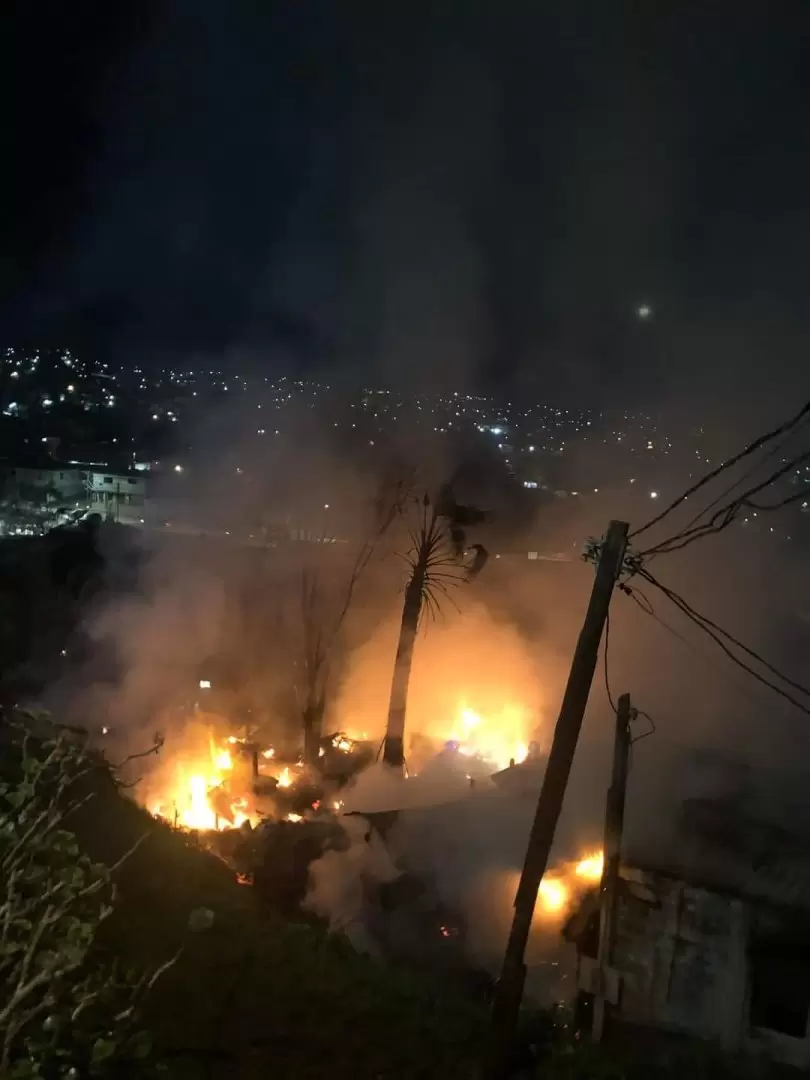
(394, 752)
(436, 560)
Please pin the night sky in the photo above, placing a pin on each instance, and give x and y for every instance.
(466, 194)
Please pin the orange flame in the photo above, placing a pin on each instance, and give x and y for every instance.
(553, 895)
(560, 888)
(590, 868)
(197, 796)
(498, 739)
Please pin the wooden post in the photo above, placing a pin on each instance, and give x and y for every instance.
(509, 990)
(614, 825)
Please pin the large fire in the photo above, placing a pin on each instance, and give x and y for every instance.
(201, 785)
(195, 791)
(498, 739)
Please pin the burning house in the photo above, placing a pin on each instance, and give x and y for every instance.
(711, 935)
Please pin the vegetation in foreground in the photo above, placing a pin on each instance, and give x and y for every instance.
(239, 996)
(127, 950)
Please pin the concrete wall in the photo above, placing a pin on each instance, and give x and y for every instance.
(682, 954)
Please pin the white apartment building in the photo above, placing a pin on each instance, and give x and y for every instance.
(118, 496)
(115, 494)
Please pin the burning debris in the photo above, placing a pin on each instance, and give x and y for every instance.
(282, 828)
(561, 888)
(496, 740)
(490, 741)
(198, 791)
(210, 783)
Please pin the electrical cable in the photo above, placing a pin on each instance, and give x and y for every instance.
(645, 734)
(730, 637)
(783, 429)
(607, 680)
(727, 514)
(708, 627)
(648, 609)
(634, 595)
(635, 712)
(745, 476)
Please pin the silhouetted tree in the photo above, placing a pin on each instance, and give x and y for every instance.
(439, 559)
(323, 612)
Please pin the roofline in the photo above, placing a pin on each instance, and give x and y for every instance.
(694, 882)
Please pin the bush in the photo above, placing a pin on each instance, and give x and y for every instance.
(64, 1012)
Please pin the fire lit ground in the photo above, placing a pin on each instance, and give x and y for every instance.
(204, 782)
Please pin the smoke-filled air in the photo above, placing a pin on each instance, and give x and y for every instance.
(404, 529)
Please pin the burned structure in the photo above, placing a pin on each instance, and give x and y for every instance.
(712, 922)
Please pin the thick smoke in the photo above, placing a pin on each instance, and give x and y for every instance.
(340, 880)
(500, 648)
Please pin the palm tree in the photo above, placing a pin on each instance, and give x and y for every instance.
(323, 615)
(439, 560)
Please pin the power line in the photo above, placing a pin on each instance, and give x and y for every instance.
(745, 476)
(724, 517)
(709, 627)
(634, 593)
(650, 730)
(750, 449)
(705, 619)
(607, 644)
(727, 514)
(635, 712)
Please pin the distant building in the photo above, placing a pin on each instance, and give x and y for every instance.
(115, 494)
(48, 481)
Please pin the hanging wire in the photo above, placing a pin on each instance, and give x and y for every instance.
(763, 440)
(605, 657)
(717, 633)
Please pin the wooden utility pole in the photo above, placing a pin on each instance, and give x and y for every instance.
(509, 991)
(614, 826)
